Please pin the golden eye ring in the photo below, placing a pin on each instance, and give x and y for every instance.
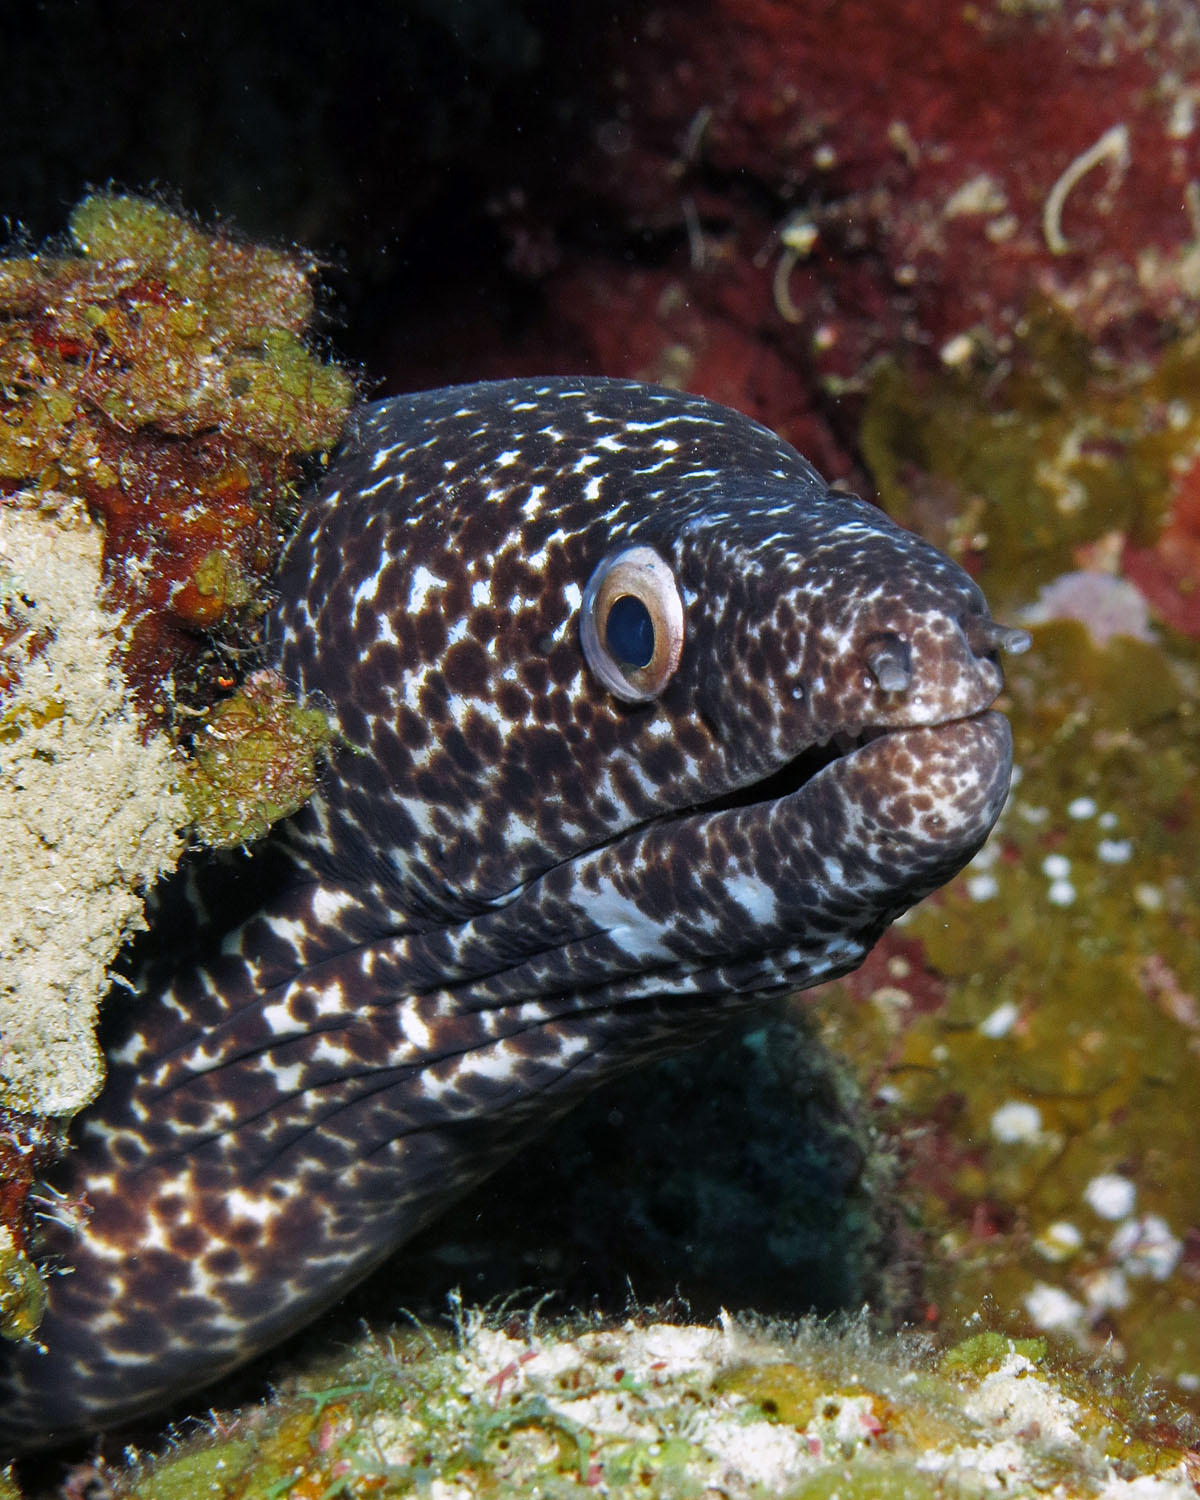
(631, 624)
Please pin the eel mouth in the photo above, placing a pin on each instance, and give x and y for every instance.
(972, 654)
(896, 810)
(803, 767)
(845, 752)
(789, 778)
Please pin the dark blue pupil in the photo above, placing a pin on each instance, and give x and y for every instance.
(629, 632)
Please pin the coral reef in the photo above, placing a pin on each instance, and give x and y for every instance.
(1031, 1033)
(758, 206)
(154, 376)
(159, 374)
(664, 1410)
(254, 762)
(88, 808)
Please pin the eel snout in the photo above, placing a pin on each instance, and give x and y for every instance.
(922, 667)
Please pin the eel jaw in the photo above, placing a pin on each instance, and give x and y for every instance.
(903, 807)
(791, 778)
(920, 801)
(796, 886)
(930, 669)
(815, 874)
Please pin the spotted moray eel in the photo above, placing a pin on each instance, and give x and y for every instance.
(640, 723)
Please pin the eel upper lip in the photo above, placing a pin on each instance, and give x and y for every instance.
(803, 767)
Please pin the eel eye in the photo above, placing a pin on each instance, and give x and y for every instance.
(631, 622)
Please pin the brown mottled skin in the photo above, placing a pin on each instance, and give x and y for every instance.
(512, 882)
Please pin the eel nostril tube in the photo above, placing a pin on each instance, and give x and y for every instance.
(985, 635)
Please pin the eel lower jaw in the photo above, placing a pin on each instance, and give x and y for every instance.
(933, 790)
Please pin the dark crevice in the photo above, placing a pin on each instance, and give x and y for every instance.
(782, 783)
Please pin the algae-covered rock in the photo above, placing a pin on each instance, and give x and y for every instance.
(162, 374)
(254, 762)
(89, 813)
(155, 377)
(663, 1410)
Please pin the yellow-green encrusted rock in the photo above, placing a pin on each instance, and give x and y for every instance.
(22, 1295)
(255, 761)
(661, 1410)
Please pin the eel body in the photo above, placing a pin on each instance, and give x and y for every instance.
(638, 723)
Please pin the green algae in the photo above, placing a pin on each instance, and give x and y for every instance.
(1015, 469)
(22, 1295)
(218, 1470)
(254, 761)
(882, 1480)
(225, 280)
(668, 1411)
(985, 1352)
(153, 321)
(1041, 1088)
(218, 577)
